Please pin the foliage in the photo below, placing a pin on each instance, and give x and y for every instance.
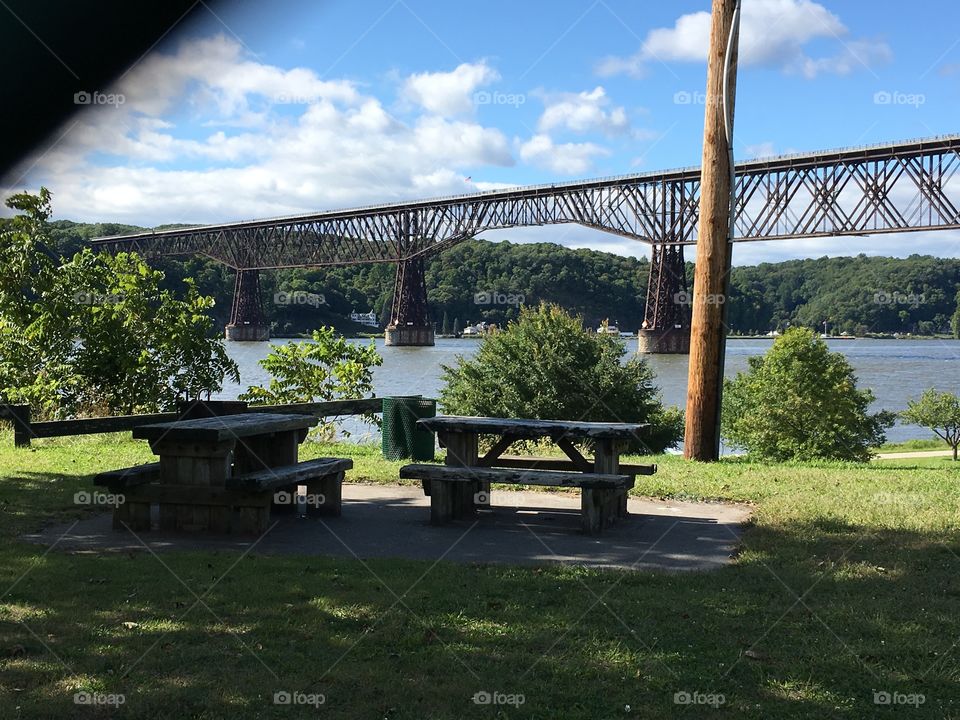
(800, 402)
(858, 295)
(938, 411)
(545, 366)
(96, 334)
(327, 368)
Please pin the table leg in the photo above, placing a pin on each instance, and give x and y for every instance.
(463, 451)
(199, 465)
(262, 452)
(602, 505)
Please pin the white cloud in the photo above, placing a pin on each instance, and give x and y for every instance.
(582, 113)
(258, 141)
(563, 158)
(449, 93)
(773, 33)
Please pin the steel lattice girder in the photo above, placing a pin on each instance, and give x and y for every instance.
(886, 188)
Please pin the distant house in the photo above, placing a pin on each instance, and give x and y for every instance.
(369, 318)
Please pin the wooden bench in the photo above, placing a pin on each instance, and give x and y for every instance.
(603, 497)
(120, 482)
(559, 463)
(246, 500)
(323, 478)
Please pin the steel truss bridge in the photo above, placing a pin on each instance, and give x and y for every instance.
(895, 187)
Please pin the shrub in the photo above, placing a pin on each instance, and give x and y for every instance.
(545, 366)
(800, 402)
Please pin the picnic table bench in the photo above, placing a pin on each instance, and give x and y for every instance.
(462, 485)
(224, 474)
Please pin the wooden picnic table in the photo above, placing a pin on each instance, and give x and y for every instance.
(199, 458)
(602, 479)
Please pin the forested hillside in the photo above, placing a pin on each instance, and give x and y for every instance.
(483, 281)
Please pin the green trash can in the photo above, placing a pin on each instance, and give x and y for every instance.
(401, 437)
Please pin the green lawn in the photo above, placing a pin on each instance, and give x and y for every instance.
(847, 585)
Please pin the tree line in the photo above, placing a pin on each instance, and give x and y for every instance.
(479, 281)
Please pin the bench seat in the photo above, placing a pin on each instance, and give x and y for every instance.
(560, 463)
(244, 503)
(455, 491)
(128, 477)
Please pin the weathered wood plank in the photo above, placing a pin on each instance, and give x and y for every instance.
(217, 429)
(90, 426)
(551, 463)
(558, 478)
(331, 408)
(129, 477)
(299, 474)
(528, 428)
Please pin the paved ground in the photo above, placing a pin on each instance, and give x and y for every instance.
(914, 454)
(523, 528)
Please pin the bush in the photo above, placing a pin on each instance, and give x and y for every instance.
(938, 411)
(326, 368)
(800, 402)
(545, 366)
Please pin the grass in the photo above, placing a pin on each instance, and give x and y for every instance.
(847, 584)
(914, 445)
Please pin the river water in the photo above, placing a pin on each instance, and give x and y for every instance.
(896, 370)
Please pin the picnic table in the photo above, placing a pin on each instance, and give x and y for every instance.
(224, 474)
(463, 484)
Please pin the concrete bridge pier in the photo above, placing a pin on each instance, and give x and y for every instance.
(666, 318)
(247, 322)
(410, 322)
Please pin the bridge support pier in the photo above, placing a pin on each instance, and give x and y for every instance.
(666, 318)
(247, 323)
(410, 317)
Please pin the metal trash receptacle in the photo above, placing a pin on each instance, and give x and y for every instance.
(401, 437)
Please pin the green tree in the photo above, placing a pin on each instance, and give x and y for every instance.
(938, 411)
(955, 320)
(800, 401)
(545, 366)
(326, 368)
(445, 326)
(96, 334)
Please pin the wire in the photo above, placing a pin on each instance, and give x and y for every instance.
(728, 115)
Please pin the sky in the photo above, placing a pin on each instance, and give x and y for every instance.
(264, 109)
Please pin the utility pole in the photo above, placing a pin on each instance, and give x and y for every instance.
(712, 277)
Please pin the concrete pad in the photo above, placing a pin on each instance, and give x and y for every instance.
(522, 528)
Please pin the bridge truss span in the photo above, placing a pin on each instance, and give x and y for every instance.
(896, 187)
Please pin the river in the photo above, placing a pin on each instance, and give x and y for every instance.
(896, 370)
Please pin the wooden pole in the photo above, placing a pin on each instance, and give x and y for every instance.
(711, 279)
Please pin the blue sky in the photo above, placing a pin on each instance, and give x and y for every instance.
(272, 108)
